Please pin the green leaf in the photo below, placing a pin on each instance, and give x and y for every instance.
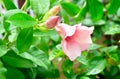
(2, 42)
(50, 33)
(67, 69)
(52, 72)
(31, 73)
(84, 77)
(12, 59)
(87, 22)
(2, 71)
(2, 30)
(100, 22)
(109, 49)
(113, 6)
(13, 73)
(53, 35)
(44, 43)
(38, 57)
(9, 13)
(70, 8)
(81, 14)
(95, 9)
(8, 4)
(96, 65)
(13, 35)
(3, 50)
(94, 47)
(56, 52)
(2, 76)
(64, 16)
(118, 13)
(24, 39)
(22, 20)
(82, 59)
(113, 31)
(117, 77)
(90, 22)
(40, 7)
(114, 56)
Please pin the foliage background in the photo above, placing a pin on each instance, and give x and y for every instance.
(30, 52)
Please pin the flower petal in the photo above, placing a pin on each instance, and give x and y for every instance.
(71, 48)
(88, 29)
(65, 30)
(83, 36)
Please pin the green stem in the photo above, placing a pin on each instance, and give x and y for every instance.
(26, 3)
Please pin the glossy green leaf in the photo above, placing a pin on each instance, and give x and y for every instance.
(31, 73)
(2, 30)
(12, 59)
(94, 47)
(24, 39)
(84, 77)
(2, 76)
(70, 8)
(22, 20)
(113, 31)
(13, 73)
(67, 69)
(2, 42)
(50, 33)
(38, 57)
(52, 72)
(96, 65)
(118, 12)
(40, 6)
(3, 50)
(88, 22)
(8, 4)
(44, 43)
(9, 13)
(2, 71)
(56, 52)
(13, 36)
(81, 14)
(65, 16)
(113, 6)
(95, 9)
(82, 59)
(114, 56)
(100, 22)
(109, 49)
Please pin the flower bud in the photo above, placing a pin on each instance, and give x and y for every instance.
(52, 22)
(52, 12)
(55, 10)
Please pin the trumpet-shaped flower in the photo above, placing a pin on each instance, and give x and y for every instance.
(75, 39)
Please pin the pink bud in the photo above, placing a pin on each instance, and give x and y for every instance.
(52, 22)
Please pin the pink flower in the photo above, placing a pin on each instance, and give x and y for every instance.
(75, 39)
(52, 22)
